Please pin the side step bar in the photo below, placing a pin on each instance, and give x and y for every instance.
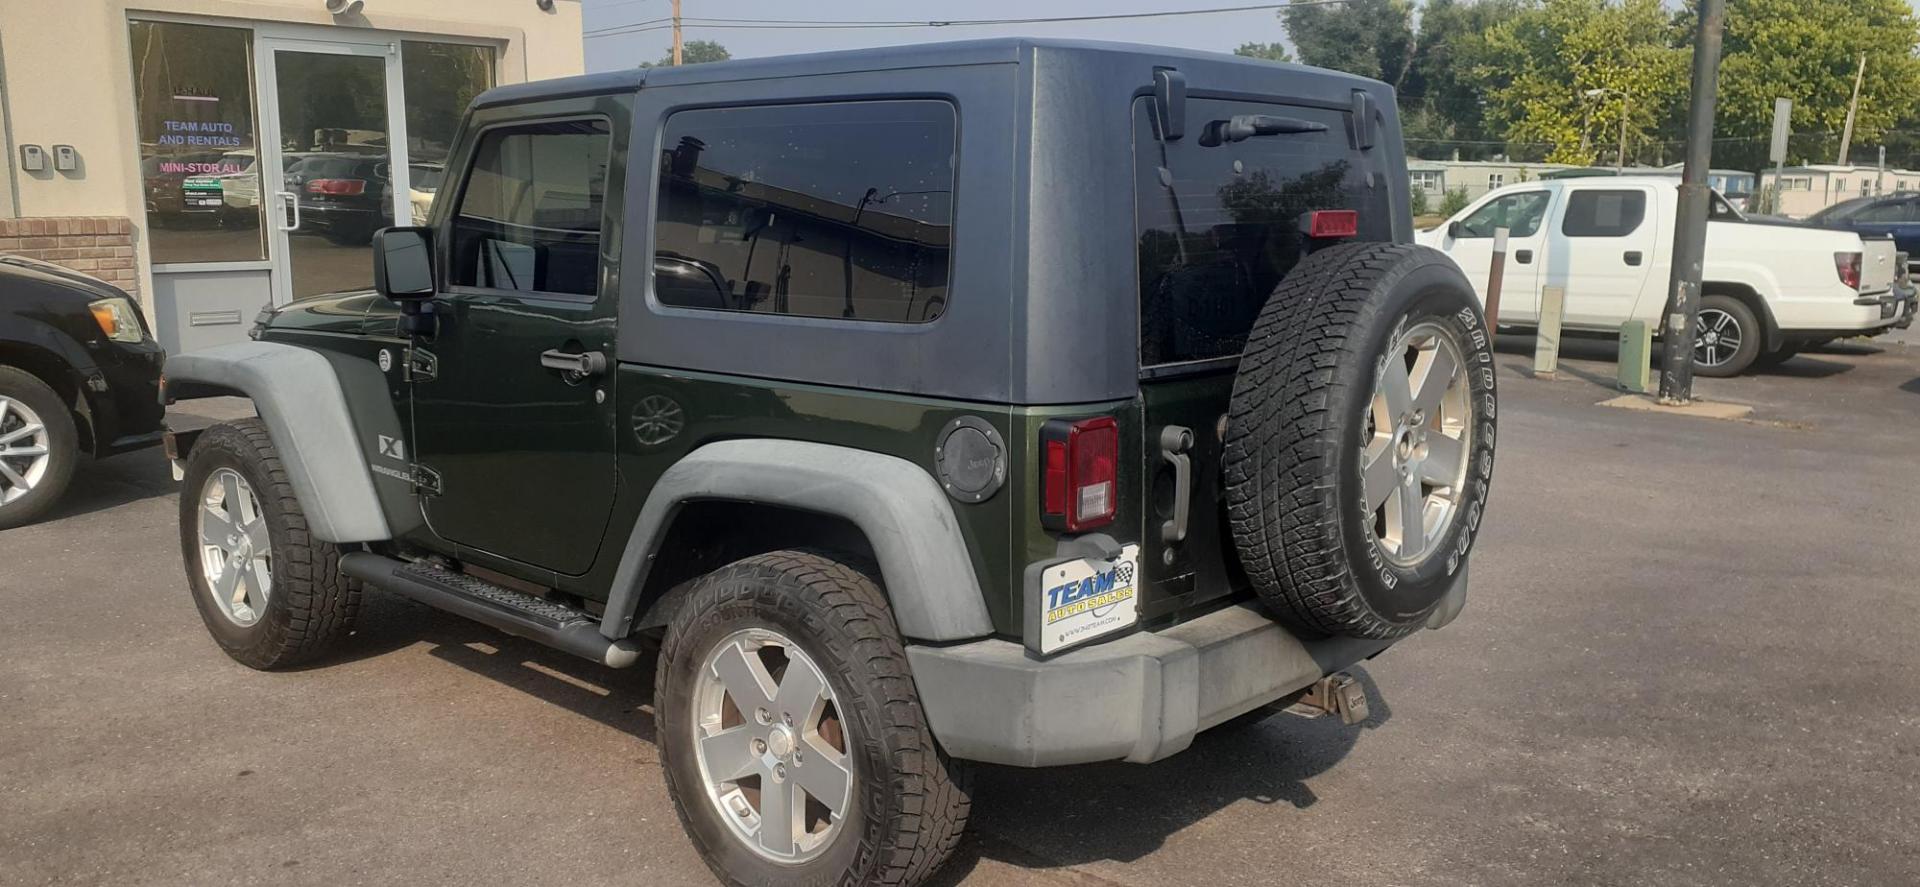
(516, 613)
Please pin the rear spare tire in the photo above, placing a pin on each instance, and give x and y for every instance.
(1360, 439)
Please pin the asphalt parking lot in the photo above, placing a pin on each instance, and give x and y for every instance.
(1689, 658)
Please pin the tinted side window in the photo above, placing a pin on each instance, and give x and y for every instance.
(1219, 221)
(831, 210)
(1520, 214)
(530, 212)
(1604, 213)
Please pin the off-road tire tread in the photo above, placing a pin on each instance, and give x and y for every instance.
(823, 588)
(322, 603)
(1282, 408)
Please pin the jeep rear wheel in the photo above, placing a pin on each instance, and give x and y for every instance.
(790, 734)
(271, 595)
(1360, 439)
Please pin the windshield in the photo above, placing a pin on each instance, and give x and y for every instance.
(1841, 212)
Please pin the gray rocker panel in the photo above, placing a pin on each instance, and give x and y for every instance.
(298, 396)
(905, 516)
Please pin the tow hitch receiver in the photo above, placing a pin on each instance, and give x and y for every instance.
(1336, 694)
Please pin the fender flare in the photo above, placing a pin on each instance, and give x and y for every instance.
(298, 396)
(906, 517)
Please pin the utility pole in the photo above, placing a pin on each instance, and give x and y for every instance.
(676, 31)
(1846, 133)
(1620, 160)
(1690, 235)
(1880, 178)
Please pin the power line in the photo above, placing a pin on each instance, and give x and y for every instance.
(860, 24)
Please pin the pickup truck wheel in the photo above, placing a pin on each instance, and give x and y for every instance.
(790, 734)
(1360, 439)
(38, 448)
(270, 594)
(1728, 339)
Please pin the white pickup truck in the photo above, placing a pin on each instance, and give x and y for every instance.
(1769, 289)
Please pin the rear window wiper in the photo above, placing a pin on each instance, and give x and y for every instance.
(1241, 127)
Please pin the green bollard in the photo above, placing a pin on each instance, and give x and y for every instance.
(1636, 357)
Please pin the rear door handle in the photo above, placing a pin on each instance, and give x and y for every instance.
(1524, 257)
(1633, 257)
(1175, 443)
(582, 365)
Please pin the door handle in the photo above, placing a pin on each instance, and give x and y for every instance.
(1175, 441)
(292, 200)
(1633, 257)
(580, 366)
(1524, 257)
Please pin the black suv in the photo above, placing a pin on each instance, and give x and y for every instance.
(1014, 401)
(79, 376)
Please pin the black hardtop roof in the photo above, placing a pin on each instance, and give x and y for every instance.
(992, 51)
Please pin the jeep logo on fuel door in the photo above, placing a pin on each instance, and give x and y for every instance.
(657, 419)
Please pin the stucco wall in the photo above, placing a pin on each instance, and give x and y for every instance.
(68, 77)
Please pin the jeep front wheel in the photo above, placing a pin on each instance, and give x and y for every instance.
(270, 594)
(790, 735)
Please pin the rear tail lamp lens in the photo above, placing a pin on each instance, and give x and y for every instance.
(338, 187)
(1847, 265)
(1333, 223)
(1080, 486)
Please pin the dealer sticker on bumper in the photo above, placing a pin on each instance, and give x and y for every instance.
(1084, 599)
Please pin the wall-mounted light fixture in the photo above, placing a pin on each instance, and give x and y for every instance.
(345, 7)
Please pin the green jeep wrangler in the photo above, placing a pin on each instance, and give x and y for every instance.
(1027, 402)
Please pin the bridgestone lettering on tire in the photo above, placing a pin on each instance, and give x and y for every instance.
(1316, 406)
(907, 802)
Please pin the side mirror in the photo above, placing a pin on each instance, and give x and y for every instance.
(1455, 230)
(403, 263)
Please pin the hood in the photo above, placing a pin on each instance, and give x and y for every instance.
(333, 312)
(20, 269)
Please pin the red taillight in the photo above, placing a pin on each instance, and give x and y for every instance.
(338, 187)
(1333, 223)
(1080, 489)
(1848, 266)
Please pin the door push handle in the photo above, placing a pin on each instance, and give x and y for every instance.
(582, 365)
(1633, 257)
(1524, 257)
(1175, 443)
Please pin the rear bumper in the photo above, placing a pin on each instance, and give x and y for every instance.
(1140, 698)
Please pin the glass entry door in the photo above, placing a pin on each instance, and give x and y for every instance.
(334, 160)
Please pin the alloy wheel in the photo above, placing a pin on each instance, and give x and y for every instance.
(25, 450)
(1418, 436)
(236, 554)
(771, 748)
(1719, 338)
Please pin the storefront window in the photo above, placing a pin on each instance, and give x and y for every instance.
(199, 164)
(441, 79)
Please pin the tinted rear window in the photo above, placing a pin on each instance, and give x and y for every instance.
(1221, 231)
(1604, 213)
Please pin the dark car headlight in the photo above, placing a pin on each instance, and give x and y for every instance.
(118, 319)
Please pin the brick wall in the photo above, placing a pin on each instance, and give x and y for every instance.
(98, 245)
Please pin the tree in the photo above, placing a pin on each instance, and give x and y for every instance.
(1273, 52)
(1808, 51)
(694, 52)
(1442, 101)
(1372, 38)
(1563, 72)
(1430, 66)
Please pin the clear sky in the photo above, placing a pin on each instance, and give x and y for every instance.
(1219, 33)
